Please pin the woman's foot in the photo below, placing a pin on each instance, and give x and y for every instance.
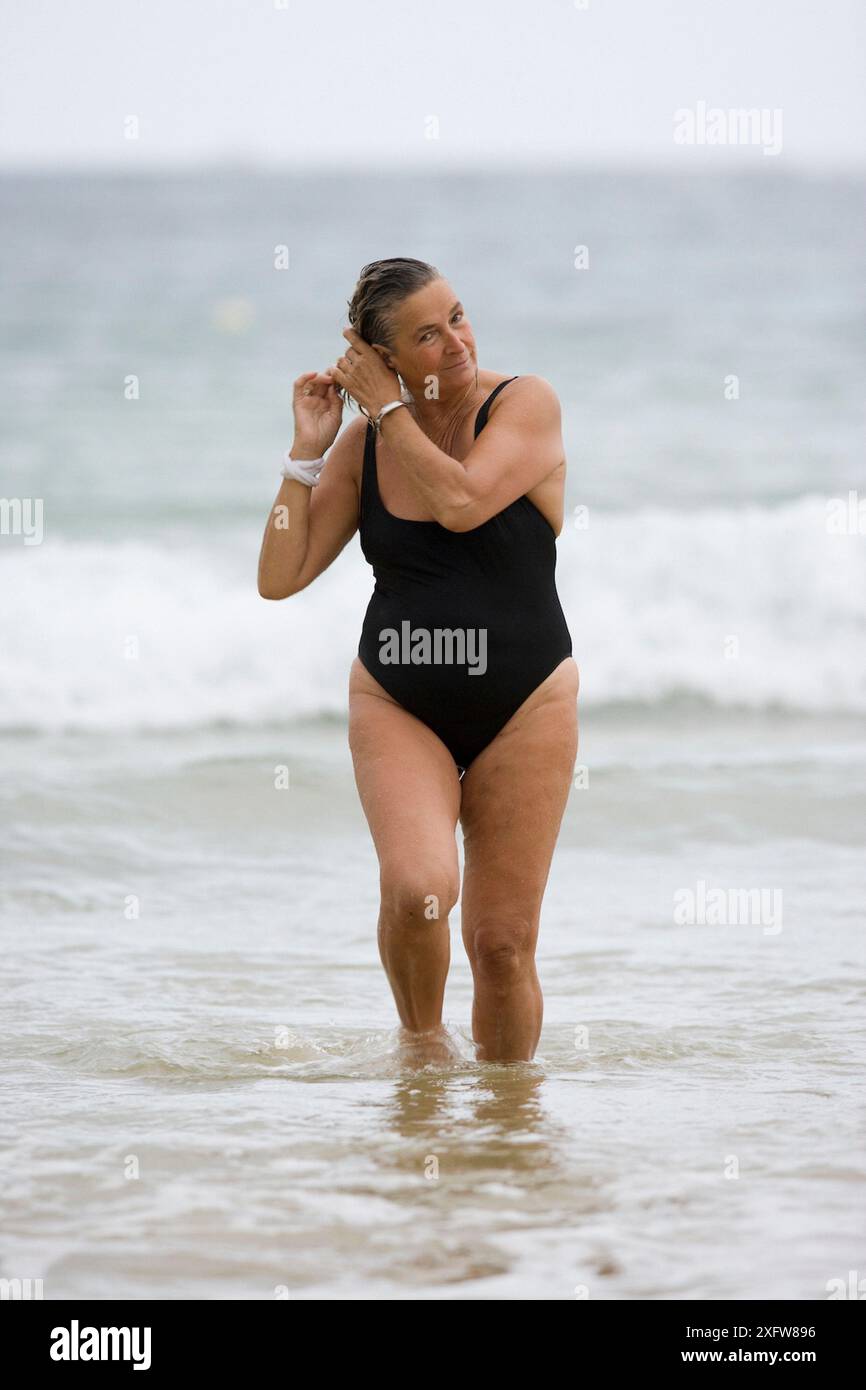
(434, 1045)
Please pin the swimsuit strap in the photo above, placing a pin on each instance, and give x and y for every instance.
(369, 481)
(481, 418)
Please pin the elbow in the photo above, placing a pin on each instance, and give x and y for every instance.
(460, 515)
(273, 583)
(278, 591)
(273, 591)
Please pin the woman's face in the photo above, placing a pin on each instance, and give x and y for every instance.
(433, 338)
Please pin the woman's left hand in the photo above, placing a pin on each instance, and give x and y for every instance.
(364, 375)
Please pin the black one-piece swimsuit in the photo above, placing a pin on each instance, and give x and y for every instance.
(462, 626)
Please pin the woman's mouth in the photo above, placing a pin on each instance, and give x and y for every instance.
(455, 365)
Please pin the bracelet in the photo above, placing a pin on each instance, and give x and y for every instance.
(392, 405)
(302, 470)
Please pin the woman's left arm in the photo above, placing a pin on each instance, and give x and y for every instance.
(519, 447)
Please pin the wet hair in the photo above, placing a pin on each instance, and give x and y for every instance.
(381, 287)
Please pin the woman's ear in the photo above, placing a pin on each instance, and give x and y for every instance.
(385, 355)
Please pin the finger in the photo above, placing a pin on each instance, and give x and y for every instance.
(316, 385)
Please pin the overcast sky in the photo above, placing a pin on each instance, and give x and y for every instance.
(353, 83)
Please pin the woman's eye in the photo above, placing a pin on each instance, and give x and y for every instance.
(425, 336)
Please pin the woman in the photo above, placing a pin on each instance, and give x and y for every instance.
(463, 696)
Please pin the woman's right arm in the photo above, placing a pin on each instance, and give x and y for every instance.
(308, 526)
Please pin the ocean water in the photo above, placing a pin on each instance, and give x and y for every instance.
(203, 1095)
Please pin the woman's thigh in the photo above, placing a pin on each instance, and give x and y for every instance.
(409, 790)
(513, 798)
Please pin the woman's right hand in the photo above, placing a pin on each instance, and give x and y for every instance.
(318, 409)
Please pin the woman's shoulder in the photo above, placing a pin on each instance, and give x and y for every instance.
(526, 381)
(534, 391)
(525, 384)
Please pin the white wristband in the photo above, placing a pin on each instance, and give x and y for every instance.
(302, 470)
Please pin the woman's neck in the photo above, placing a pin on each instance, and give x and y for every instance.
(441, 420)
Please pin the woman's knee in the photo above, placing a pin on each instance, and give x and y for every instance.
(417, 895)
(501, 948)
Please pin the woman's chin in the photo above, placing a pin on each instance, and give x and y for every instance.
(460, 373)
